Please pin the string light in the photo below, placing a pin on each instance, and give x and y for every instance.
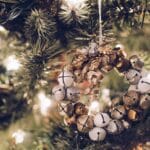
(19, 136)
(94, 107)
(45, 103)
(106, 96)
(11, 63)
(3, 30)
(75, 4)
(72, 2)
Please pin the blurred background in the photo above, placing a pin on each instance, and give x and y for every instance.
(37, 39)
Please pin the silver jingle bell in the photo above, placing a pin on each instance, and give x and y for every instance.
(118, 112)
(144, 84)
(97, 134)
(101, 119)
(145, 101)
(58, 93)
(115, 127)
(133, 76)
(66, 79)
(85, 123)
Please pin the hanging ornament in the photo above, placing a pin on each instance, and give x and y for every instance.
(136, 62)
(144, 84)
(133, 76)
(101, 119)
(97, 134)
(118, 112)
(88, 67)
(85, 123)
(66, 79)
(58, 93)
(145, 101)
(115, 127)
(72, 11)
(131, 98)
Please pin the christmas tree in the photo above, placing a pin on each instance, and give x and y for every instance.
(74, 74)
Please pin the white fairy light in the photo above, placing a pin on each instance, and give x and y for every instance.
(3, 31)
(72, 2)
(120, 46)
(19, 136)
(94, 107)
(45, 103)
(11, 63)
(79, 8)
(106, 96)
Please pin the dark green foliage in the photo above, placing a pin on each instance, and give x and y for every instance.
(40, 27)
(11, 108)
(37, 15)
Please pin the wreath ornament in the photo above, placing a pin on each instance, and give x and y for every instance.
(92, 65)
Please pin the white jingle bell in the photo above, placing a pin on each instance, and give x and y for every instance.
(97, 134)
(115, 127)
(72, 93)
(144, 85)
(131, 98)
(65, 79)
(136, 62)
(93, 49)
(85, 123)
(119, 46)
(62, 108)
(118, 112)
(133, 76)
(145, 101)
(101, 119)
(59, 93)
(66, 109)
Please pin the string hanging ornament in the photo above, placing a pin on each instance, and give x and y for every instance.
(100, 22)
(91, 65)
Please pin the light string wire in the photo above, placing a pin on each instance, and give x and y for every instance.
(100, 21)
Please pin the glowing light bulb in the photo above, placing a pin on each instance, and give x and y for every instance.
(106, 97)
(11, 63)
(94, 107)
(45, 103)
(3, 30)
(72, 2)
(19, 136)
